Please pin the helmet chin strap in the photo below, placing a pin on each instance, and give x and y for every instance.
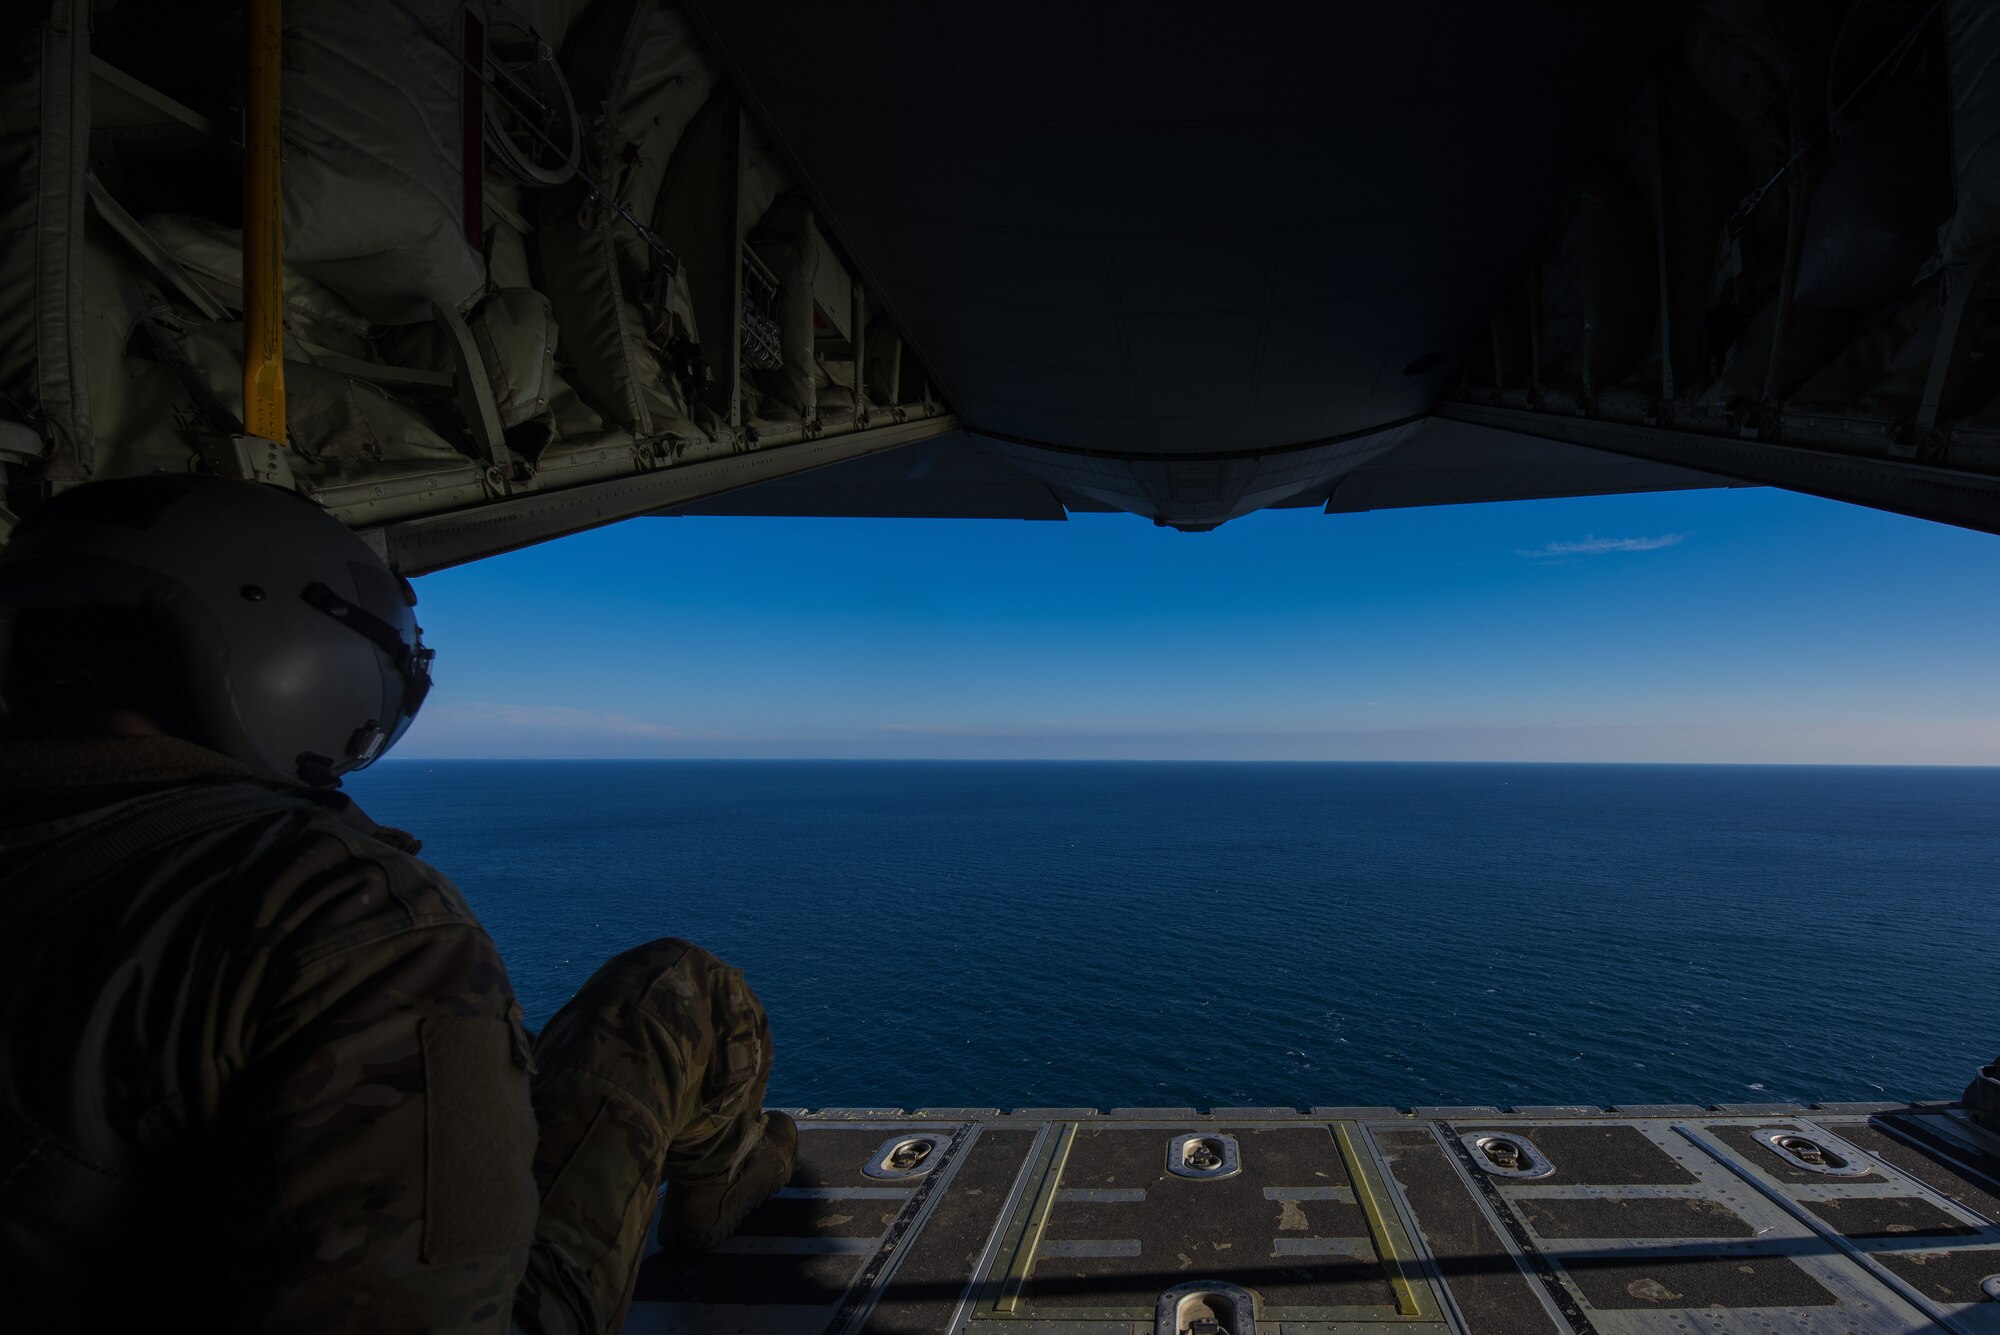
(316, 770)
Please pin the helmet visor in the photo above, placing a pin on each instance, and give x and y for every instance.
(408, 659)
(416, 685)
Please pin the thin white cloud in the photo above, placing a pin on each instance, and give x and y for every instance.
(551, 718)
(945, 729)
(562, 732)
(1594, 546)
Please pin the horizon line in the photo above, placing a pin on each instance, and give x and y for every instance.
(1172, 760)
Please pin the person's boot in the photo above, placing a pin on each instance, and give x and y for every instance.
(701, 1212)
(1982, 1097)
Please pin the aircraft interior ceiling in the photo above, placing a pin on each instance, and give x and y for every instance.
(1138, 235)
(556, 263)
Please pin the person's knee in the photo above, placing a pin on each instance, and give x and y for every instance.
(669, 954)
(660, 974)
(709, 1004)
(655, 986)
(680, 989)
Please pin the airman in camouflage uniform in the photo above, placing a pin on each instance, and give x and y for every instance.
(296, 1073)
(261, 1068)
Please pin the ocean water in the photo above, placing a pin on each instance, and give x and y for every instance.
(1082, 934)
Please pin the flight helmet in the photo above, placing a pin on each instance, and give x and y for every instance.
(255, 622)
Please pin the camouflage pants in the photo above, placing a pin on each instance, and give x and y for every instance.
(654, 1070)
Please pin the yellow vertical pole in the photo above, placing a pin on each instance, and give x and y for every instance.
(263, 242)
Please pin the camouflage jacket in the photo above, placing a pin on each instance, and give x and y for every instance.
(287, 1044)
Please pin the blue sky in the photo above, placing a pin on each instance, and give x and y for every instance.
(1728, 625)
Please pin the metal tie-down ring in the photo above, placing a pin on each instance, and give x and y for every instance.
(900, 1158)
(1206, 1307)
(1504, 1154)
(1814, 1156)
(1203, 1154)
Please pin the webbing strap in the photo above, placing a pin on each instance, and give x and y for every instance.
(84, 850)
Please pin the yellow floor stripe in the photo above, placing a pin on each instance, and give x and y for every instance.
(1038, 1219)
(1378, 1224)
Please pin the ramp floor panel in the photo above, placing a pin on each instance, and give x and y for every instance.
(1570, 1221)
(1612, 1283)
(1890, 1217)
(1632, 1217)
(1950, 1277)
(1959, 1176)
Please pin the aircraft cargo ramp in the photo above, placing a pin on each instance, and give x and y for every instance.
(1841, 1219)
